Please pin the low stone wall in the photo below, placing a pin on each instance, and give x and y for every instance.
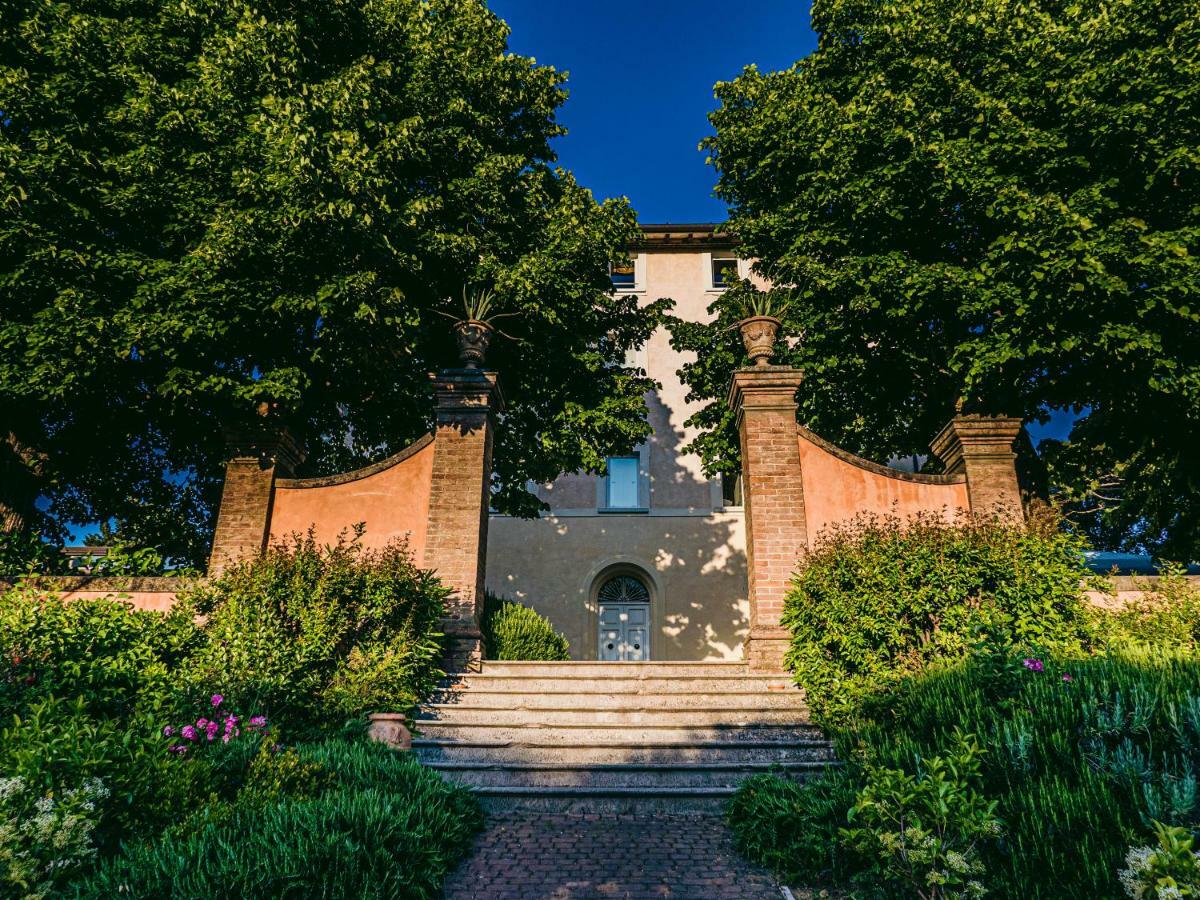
(1126, 589)
(156, 594)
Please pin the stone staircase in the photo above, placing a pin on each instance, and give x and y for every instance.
(615, 737)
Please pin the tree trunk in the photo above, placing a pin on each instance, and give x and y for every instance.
(19, 468)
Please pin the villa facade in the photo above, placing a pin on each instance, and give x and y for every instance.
(648, 561)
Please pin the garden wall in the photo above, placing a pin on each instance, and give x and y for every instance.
(839, 485)
(391, 498)
(156, 594)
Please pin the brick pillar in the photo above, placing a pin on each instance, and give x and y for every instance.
(764, 401)
(257, 455)
(456, 543)
(984, 448)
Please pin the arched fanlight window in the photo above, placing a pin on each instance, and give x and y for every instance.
(623, 589)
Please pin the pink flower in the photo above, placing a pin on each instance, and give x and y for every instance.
(211, 730)
(217, 699)
(258, 721)
(202, 723)
(178, 748)
(225, 739)
(230, 722)
(188, 732)
(1034, 665)
(168, 731)
(1067, 677)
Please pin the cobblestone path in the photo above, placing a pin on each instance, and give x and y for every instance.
(540, 856)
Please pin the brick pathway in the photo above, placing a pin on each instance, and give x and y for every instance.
(545, 856)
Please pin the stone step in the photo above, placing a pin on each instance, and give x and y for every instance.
(558, 670)
(583, 801)
(566, 699)
(643, 684)
(619, 775)
(683, 754)
(650, 735)
(629, 716)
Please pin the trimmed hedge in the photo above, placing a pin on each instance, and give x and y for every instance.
(515, 632)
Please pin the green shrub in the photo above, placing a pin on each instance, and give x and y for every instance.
(919, 834)
(1170, 870)
(385, 827)
(1167, 615)
(117, 660)
(58, 745)
(312, 636)
(45, 836)
(880, 598)
(792, 827)
(516, 632)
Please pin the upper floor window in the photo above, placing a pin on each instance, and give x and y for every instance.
(623, 482)
(724, 270)
(624, 273)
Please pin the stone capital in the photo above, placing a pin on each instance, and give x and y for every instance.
(267, 439)
(975, 437)
(764, 387)
(466, 393)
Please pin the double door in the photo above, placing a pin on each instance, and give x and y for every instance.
(624, 632)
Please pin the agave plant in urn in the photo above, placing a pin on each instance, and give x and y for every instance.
(760, 323)
(474, 331)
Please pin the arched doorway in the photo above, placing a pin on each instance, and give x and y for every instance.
(623, 607)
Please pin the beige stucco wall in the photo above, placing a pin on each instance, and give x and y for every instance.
(696, 566)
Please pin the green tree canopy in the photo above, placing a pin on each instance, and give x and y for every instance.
(212, 203)
(996, 201)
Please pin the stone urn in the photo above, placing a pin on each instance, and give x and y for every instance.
(758, 336)
(473, 338)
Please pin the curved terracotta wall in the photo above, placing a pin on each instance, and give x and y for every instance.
(391, 498)
(838, 486)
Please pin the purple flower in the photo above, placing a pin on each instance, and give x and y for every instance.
(1067, 677)
(230, 723)
(217, 699)
(211, 730)
(188, 732)
(168, 731)
(1034, 665)
(258, 721)
(202, 723)
(178, 748)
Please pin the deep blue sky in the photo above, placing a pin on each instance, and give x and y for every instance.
(641, 80)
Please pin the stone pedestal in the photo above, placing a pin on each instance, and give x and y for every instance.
(258, 454)
(984, 449)
(764, 400)
(456, 545)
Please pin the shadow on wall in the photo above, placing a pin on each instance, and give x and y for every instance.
(696, 564)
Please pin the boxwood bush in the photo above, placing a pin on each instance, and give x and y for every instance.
(516, 632)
